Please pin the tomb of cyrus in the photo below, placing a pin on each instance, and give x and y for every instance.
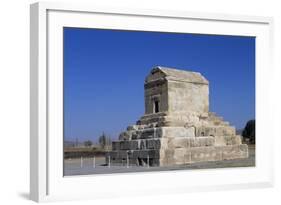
(177, 127)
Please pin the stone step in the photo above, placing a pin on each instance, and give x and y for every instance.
(215, 130)
(226, 123)
(164, 143)
(167, 157)
(214, 116)
(220, 123)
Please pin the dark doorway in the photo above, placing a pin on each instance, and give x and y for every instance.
(156, 106)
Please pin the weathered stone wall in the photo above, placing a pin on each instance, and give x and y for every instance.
(170, 151)
(199, 154)
(158, 132)
(175, 95)
(175, 142)
(156, 91)
(188, 97)
(215, 131)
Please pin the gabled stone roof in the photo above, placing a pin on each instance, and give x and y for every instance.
(180, 75)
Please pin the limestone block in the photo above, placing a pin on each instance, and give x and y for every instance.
(133, 154)
(188, 97)
(179, 152)
(187, 157)
(142, 144)
(187, 142)
(179, 142)
(154, 143)
(149, 133)
(144, 153)
(124, 145)
(134, 145)
(116, 145)
(237, 139)
(127, 135)
(178, 132)
(132, 127)
(136, 135)
(226, 130)
(215, 131)
(169, 153)
(235, 151)
(233, 140)
(227, 140)
(202, 141)
(205, 131)
(190, 132)
(220, 140)
(181, 156)
(200, 154)
(180, 119)
(191, 118)
(129, 145)
(120, 154)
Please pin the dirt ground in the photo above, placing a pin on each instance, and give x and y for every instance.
(88, 166)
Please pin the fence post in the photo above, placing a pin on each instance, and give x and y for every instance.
(109, 161)
(128, 160)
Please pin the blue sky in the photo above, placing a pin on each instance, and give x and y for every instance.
(104, 72)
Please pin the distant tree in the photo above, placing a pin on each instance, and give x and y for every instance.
(104, 140)
(249, 132)
(88, 143)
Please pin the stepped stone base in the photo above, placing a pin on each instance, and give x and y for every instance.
(167, 151)
(206, 139)
(177, 156)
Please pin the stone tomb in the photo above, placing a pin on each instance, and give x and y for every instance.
(177, 127)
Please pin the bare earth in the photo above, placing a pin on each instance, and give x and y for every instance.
(74, 166)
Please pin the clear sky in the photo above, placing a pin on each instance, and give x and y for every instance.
(104, 72)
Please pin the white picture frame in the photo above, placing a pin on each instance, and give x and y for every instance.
(46, 146)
